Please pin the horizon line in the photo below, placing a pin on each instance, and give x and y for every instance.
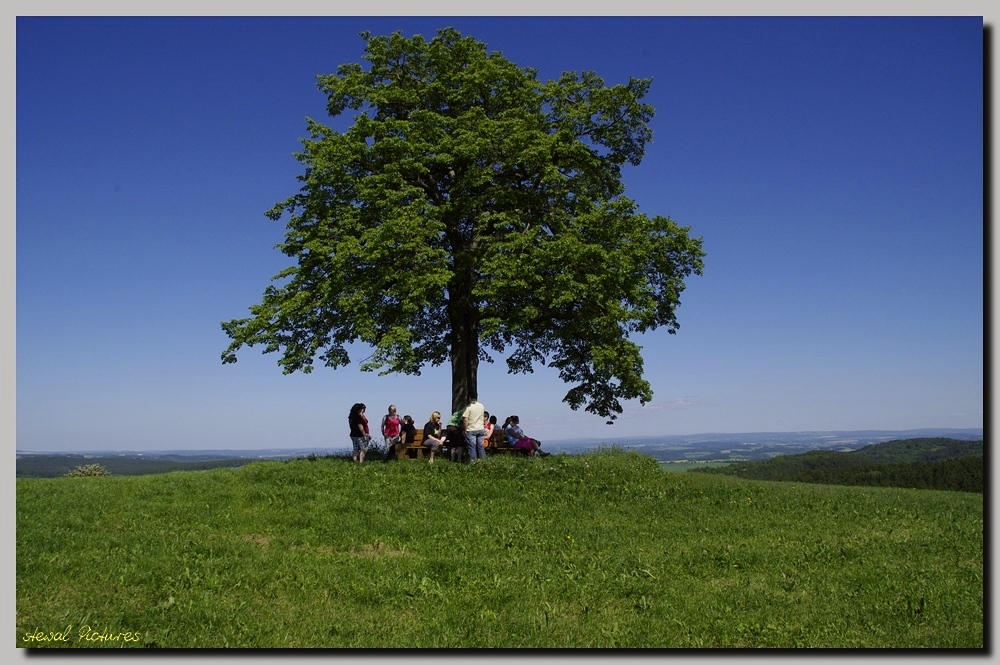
(580, 440)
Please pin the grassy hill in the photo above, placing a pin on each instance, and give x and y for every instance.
(942, 464)
(596, 550)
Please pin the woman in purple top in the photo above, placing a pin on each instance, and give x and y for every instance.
(520, 441)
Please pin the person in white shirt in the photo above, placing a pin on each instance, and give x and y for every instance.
(475, 429)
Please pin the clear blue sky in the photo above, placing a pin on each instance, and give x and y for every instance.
(833, 167)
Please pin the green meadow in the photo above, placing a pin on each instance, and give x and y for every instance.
(597, 550)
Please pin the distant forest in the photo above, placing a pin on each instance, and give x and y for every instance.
(938, 464)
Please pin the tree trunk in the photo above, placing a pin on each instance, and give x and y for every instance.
(464, 365)
(464, 318)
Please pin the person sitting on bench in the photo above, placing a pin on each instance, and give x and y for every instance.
(409, 431)
(520, 440)
(432, 434)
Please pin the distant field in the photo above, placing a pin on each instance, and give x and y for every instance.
(685, 466)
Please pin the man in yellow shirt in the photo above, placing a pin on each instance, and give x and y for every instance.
(475, 429)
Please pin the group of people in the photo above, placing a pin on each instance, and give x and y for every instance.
(466, 435)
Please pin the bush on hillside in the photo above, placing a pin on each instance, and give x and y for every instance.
(89, 470)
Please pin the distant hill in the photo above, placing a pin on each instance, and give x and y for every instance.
(752, 446)
(928, 463)
(52, 466)
(919, 450)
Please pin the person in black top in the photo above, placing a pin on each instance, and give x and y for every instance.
(432, 434)
(359, 432)
(409, 431)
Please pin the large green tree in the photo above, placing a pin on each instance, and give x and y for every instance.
(472, 209)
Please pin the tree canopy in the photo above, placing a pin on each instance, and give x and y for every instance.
(471, 210)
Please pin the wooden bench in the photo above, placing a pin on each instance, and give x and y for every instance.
(497, 445)
(414, 450)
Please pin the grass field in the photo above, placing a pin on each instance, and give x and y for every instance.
(595, 550)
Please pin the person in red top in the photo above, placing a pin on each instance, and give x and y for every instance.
(392, 428)
(491, 426)
(359, 432)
